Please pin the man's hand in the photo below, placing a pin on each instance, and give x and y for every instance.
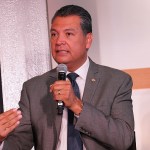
(9, 120)
(62, 90)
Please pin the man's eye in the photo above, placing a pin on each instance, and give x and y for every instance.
(69, 34)
(53, 34)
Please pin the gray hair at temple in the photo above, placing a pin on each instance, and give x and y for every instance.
(69, 10)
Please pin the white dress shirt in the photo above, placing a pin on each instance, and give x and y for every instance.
(82, 72)
(1, 145)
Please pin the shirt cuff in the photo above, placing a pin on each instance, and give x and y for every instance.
(77, 116)
(1, 145)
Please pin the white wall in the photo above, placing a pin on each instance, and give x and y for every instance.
(124, 33)
(122, 40)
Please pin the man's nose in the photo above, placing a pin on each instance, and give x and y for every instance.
(61, 40)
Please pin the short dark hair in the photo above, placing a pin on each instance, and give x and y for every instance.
(69, 10)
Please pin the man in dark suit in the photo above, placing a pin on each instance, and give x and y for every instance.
(103, 114)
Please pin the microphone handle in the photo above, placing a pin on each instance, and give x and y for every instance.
(60, 104)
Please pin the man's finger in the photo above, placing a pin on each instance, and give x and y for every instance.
(10, 116)
(6, 130)
(7, 113)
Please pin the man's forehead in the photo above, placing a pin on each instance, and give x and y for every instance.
(66, 23)
(66, 19)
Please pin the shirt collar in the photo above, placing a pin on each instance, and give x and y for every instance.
(82, 71)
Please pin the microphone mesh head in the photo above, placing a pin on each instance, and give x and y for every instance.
(62, 68)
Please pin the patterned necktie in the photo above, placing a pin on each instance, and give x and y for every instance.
(74, 141)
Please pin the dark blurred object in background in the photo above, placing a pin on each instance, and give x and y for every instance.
(1, 96)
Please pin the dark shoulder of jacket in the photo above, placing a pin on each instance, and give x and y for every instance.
(44, 77)
(110, 71)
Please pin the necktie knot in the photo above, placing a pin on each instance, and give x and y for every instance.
(72, 76)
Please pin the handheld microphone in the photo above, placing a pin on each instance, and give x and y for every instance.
(61, 70)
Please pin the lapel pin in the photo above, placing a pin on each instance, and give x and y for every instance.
(93, 80)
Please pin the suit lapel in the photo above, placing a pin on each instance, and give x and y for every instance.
(92, 80)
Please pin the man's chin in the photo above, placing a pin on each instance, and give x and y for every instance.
(62, 62)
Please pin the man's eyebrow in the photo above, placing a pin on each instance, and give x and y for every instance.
(69, 29)
(52, 29)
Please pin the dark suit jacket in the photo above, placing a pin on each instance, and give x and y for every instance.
(106, 121)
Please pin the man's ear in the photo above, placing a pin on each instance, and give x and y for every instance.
(89, 39)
